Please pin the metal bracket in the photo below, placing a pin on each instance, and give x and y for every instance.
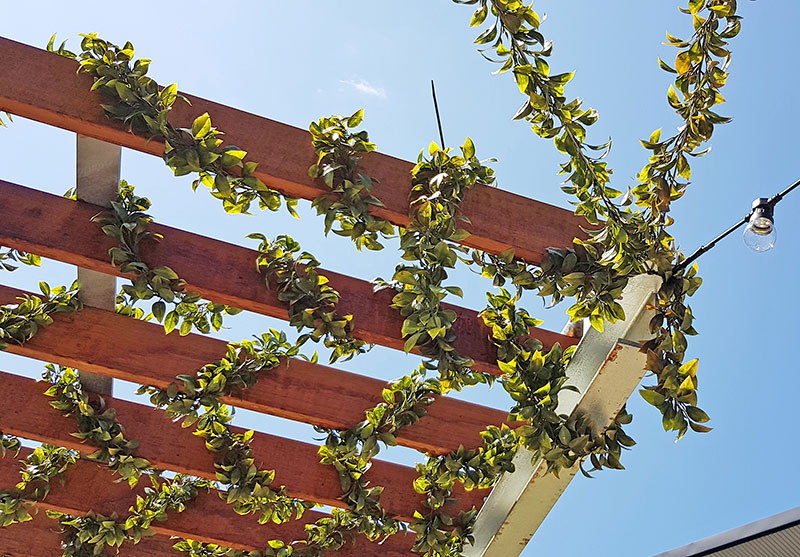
(98, 168)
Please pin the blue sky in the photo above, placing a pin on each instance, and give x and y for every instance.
(295, 64)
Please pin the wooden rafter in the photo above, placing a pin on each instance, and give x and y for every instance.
(106, 343)
(42, 86)
(209, 519)
(168, 446)
(61, 229)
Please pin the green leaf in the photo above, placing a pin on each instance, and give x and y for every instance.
(654, 398)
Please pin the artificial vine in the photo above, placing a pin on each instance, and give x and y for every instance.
(197, 400)
(311, 301)
(96, 423)
(42, 466)
(339, 153)
(593, 271)
(438, 186)
(630, 242)
(85, 536)
(20, 322)
(135, 99)
(129, 224)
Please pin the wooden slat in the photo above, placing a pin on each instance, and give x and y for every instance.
(58, 228)
(208, 518)
(110, 344)
(165, 444)
(40, 536)
(44, 87)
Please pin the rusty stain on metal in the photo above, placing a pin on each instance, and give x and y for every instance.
(613, 356)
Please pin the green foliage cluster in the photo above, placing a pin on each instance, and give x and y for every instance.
(350, 453)
(9, 256)
(429, 245)
(43, 465)
(90, 535)
(594, 272)
(198, 400)
(96, 423)
(137, 101)
(534, 380)
(311, 301)
(630, 241)
(128, 223)
(339, 153)
(20, 322)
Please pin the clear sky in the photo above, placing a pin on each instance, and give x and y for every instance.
(297, 62)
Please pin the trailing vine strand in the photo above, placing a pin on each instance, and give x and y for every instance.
(129, 224)
(20, 322)
(630, 242)
(311, 301)
(593, 271)
(43, 465)
(339, 153)
(137, 100)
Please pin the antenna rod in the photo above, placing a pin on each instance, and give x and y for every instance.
(438, 118)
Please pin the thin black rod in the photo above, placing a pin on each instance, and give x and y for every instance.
(438, 119)
(701, 250)
(772, 201)
(778, 196)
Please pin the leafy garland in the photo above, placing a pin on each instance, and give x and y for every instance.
(631, 242)
(128, 223)
(85, 536)
(136, 100)
(311, 301)
(339, 153)
(20, 322)
(16, 256)
(43, 465)
(438, 186)
(613, 252)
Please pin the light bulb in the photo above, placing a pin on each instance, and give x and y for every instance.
(759, 235)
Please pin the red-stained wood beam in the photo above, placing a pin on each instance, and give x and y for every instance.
(168, 446)
(106, 343)
(58, 228)
(42, 86)
(40, 536)
(90, 487)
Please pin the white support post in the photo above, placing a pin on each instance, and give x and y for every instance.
(98, 167)
(606, 368)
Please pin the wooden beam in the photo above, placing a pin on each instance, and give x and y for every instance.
(106, 343)
(604, 370)
(58, 228)
(40, 536)
(89, 487)
(42, 86)
(169, 446)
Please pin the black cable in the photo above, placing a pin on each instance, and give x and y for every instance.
(436, 107)
(771, 202)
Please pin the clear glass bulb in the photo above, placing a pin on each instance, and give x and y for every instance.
(759, 235)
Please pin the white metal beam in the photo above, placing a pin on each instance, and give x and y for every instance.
(97, 182)
(606, 368)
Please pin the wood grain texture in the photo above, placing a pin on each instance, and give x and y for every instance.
(167, 445)
(42, 86)
(58, 228)
(106, 343)
(90, 487)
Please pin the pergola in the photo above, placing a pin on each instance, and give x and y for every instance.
(44, 87)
